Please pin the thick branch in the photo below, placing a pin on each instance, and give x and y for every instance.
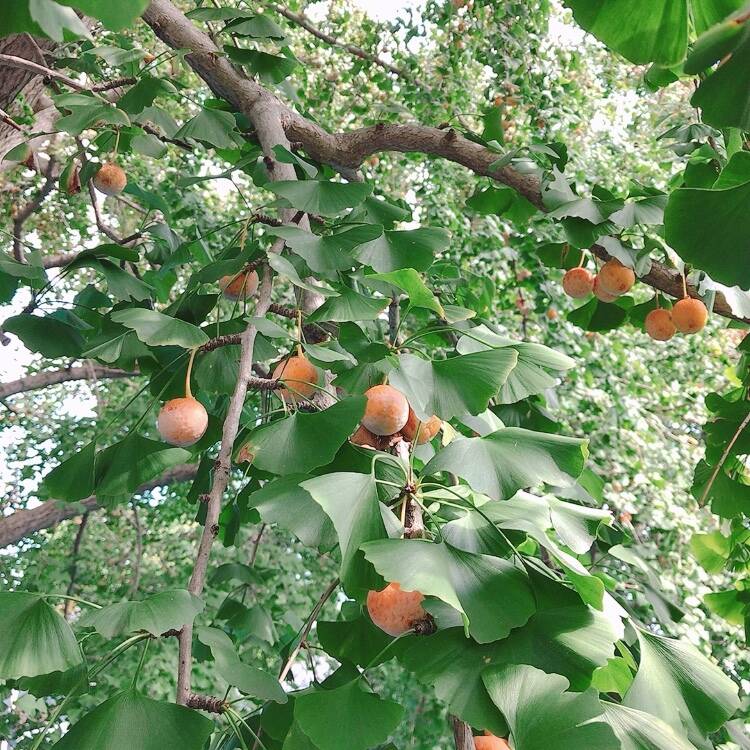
(462, 734)
(24, 522)
(53, 377)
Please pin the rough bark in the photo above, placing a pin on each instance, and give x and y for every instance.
(53, 377)
(20, 524)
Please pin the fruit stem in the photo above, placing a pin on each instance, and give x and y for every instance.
(117, 140)
(583, 257)
(684, 283)
(188, 392)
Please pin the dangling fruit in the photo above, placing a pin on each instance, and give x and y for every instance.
(182, 421)
(110, 179)
(299, 375)
(615, 278)
(551, 314)
(387, 410)
(240, 285)
(427, 429)
(659, 324)
(689, 315)
(489, 742)
(395, 611)
(578, 282)
(600, 294)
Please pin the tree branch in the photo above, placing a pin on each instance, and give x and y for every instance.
(20, 524)
(462, 734)
(20, 218)
(53, 377)
(41, 70)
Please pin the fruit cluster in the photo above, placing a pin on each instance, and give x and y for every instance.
(614, 279)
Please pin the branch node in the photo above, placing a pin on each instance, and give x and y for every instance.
(209, 703)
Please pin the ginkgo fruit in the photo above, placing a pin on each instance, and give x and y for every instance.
(243, 284)
(551, 314)
(659, 324)
(689, 315)
(600, 294)
(387, 410)
(578, 282)
(427, 429)
(394, 610)
(362, 436)
(299, 375)
(616, 278)
(489, 741)
(110, 179)
(182, 421)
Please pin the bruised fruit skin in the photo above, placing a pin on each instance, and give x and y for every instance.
(110, 179)
(387, 410)
(366, 439)
(600, 294)
(615, 278)
(427, 430)
(659, 324)
(689, 315)
(490, 742)
(578, 282)
(240, 285)
(395, 611)
(182, 421)
(301, 377)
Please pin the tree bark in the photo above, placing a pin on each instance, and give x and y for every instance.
(53, 377)
(20, 524)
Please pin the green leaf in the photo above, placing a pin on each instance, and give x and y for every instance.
(21, 270)
(351, 502)
(510, 459)
(282, 266)
(115, 16)
(156, 329)
(723, 96)
(326, 253)
(455, 386)
(530, 374)
(642, 30)
(681, 686)
(46, 335)
(411, 283)
(348, 306)
(537, 708)
(494, 594)
(144, 93)
(411, 248)
(269, 68)
(212, 126)
(167, 610)
(638, 730)
(285, 502)
(318, 197)
(690, 219)
(258, 27)
(81, 118)
(711, 550)
(36, 639)
(303, 441)
(596, 315)
(54, 20)
(130, 721)
(346, 718)
(250, 680)
(72, 479)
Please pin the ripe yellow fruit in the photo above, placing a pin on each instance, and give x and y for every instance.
(659, 324)
(395, 611)
(600, 294)
(240, 285)
(551, 314)
(578, 282)
(148, 58)
(387, 410)
(615, 278)
(490, 742)
(182, 421)
(110, 179)
(689, 315)
(427, 429)
(301, 377)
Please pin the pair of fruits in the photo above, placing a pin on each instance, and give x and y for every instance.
(689, 315)
(613, 280)
(388, 415)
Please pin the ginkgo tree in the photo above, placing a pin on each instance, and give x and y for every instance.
(322, 363)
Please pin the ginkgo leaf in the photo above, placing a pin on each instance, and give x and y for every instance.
(129, 720)
(455, 386)
(349, 306)
(412, 248)
(156, 329)
(167, 610)
(638, 730)
(36, 639)
(493, 593)
(510, 459)
(321, 197)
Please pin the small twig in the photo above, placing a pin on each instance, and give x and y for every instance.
(116, 83)
(256, 544)
(745, 422)
(325, 596)
(8, 120)
(68, 606)
(138, 553)
(209, 703)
